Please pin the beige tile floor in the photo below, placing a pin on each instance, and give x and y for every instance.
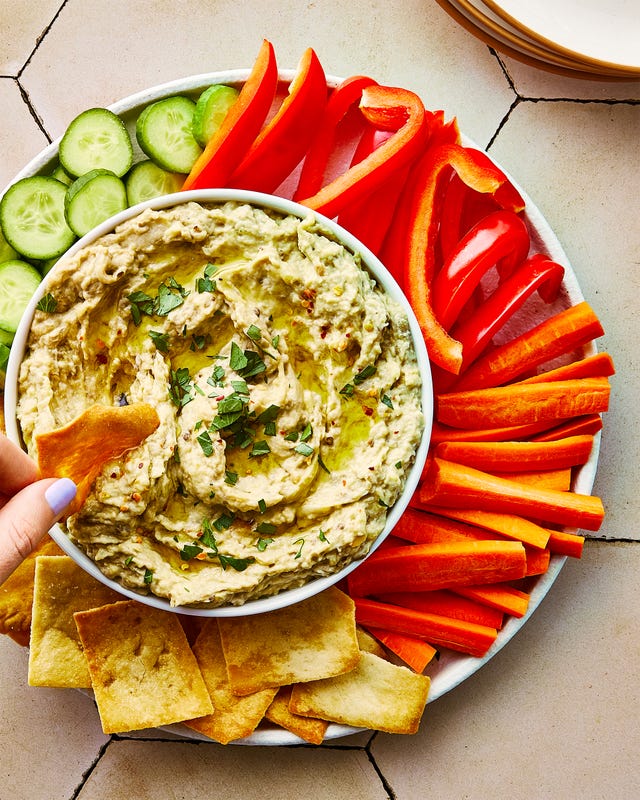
(554, 714)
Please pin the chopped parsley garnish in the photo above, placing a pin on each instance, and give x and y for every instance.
(161, 340)
(347, 390)
(365, 372)
(239, 564)
(190, 551)
(204, 440)
(230, 477)
(266, 528)
(223, 522)
(170, 295)
(301, 543)
(180, 387)
(47, 303)
(292, 436)
(386, 400)
(216, 378)
(306, 433)
(262, 544)
(199, 341)
(254, 333)
(206, 284)
(246, 363)
(323, 465)
(304, 449)
(322, 536)
(148, 576)
(208, 537)
(260, 448)
(262, 506)
(128, 560)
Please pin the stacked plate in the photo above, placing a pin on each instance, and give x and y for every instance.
(592, 39)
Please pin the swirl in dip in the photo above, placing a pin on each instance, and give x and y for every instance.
(286, 384)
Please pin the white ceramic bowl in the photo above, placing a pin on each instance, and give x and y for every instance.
(384, 280)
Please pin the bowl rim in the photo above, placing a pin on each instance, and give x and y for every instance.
(376, 269)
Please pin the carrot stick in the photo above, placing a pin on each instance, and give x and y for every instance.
(467, 637)
(563, 543)
(423, 527)
(457, 486)
(537, 560)
(446, 603)
(444, 433)
(599, 365)
(504, 598)
(555, 336)
(559, 479)
(413, 651)
(422, 567)
(523, 403)
(518, 456)
(587, 424)
(510, 525)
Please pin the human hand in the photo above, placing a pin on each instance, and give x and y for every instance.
(28, 506)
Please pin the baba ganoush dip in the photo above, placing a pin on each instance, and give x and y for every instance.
(286, 384)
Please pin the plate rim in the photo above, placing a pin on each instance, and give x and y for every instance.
(555, 45)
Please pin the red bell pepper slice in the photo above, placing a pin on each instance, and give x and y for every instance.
(478, 172)
(536, 272)
(316, 160)
(240, 127)
(282, 143)
(370, 219)
(498, 236)
(393, 250)
(388, 108)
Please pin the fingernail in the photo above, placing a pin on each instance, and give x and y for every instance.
(60, 494)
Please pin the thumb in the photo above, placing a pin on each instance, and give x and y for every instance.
(28, 516)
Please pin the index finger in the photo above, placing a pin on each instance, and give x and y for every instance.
(17, 470)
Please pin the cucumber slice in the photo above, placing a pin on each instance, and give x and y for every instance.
(18, 282)
(164, 133)
(146, 180)
(96, 139)
(92, 198)
(6, 251)
(32, 218)
(60, 175)
(211, 109)
(4, 357)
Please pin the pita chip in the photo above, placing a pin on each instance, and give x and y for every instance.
(61, 588)
(143, 672)
(376, 694)
(308, 728)
(312, 639)
(99, 434)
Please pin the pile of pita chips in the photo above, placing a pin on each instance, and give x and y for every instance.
(143, 671)
(300, 668)
(99, 434)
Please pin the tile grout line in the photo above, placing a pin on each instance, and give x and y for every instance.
(40, 38)
(89, 771)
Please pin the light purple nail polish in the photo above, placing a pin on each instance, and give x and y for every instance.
(60, 494)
